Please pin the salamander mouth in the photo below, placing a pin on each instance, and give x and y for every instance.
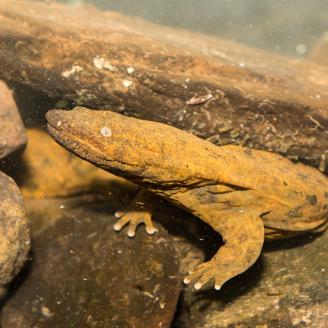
(58, 129)
(60, 136)
(55, 125)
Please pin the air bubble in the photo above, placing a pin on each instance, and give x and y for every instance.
(301, 49)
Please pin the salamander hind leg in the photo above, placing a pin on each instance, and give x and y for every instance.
(243, 236)
(139, 212)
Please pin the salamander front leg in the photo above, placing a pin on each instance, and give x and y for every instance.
(139, 212)
(243, 236)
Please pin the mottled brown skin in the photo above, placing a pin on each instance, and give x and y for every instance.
(237, 191)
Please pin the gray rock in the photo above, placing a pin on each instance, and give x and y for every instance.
(14, 233)
(84, 274)
(12, 131)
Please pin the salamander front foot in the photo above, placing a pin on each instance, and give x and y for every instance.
(139, 212)
(133, 218)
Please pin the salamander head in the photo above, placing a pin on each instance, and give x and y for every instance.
(104, 138)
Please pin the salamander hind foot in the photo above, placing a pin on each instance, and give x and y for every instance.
(243, 236)
(219, 269)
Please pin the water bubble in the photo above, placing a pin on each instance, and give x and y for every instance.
(301, 49)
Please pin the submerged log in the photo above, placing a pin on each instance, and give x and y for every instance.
(217, 89)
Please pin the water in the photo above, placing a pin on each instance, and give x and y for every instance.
(195, 120)
(284, 26)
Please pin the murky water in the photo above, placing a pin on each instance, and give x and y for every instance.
(148, 174)
(284, 26)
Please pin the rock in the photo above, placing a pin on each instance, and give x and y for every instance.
(287, 287)
(14, 233)
(84, 274)
(51, 171)
(12, 131)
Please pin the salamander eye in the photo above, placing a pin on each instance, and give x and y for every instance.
(106, 132)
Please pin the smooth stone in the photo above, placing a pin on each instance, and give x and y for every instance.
(12, 131)
(84, 274)
(14, 232)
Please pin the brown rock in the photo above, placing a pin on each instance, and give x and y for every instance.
(12, 131)
(217, 89)
(84, 274)
(14, 233)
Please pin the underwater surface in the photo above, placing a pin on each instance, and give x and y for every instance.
(163, 163)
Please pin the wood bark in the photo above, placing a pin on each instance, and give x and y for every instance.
(217, 89)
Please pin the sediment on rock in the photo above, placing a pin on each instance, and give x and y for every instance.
(14, 232)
